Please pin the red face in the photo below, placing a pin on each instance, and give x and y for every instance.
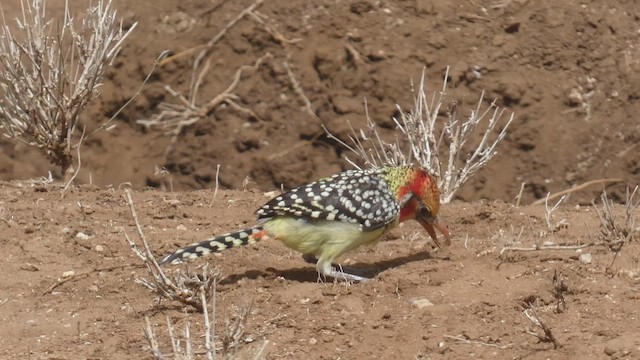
(423, 205)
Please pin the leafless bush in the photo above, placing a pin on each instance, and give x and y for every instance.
(185, 348)
(423, 135)
(196, 290)
(50, 70)
(613, 232)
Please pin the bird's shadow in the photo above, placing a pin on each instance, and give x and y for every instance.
(309, 273)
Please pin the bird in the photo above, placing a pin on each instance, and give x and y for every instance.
(331, 216)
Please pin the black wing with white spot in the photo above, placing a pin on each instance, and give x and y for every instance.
(356, 196)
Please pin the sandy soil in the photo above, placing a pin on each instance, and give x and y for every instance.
(474, 293)
(569, 71)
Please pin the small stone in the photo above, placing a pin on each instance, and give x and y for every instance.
(29, 267)
(421, 303)
(585, 258)
(313, 341)
(94, 288)
(619, 347)
(99, 248)
(31, 322)
(181, 227)
(67, 274)
(65, 230)
(82, 236)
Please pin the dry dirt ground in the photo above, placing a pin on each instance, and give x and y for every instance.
(568, 70)
(466, 301)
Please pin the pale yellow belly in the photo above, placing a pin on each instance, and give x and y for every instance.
(327, 240)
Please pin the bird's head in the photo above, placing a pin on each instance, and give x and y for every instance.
(419, 199)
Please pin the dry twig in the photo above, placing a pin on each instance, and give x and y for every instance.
(553, 226)
(83, 274)
(476, 342)
(532, 314)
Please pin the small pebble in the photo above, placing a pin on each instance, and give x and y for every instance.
(94, 288)
(99, 248)
(69, 273)
(585, 258)
(31, 322)
(421, 303)
(82, 236)
(181, 227)
(65, 230)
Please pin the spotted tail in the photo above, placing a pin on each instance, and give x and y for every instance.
(214, 245)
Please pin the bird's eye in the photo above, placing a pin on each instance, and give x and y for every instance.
(425, 211)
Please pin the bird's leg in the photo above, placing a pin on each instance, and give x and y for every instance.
(327, 270)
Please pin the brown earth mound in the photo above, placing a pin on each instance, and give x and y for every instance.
(569, 71)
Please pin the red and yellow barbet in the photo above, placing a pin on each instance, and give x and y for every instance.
(327, 218)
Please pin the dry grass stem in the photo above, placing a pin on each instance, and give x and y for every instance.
(421, 138)
(553, 226)
(75, 173)
(559, 289)
(519, 196)
(547, 335)
(51, 69)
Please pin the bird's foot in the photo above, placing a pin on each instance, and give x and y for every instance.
(338, 274)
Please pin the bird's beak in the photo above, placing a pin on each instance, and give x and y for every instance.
(430, 223)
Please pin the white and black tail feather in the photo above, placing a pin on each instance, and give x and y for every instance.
(214, 245)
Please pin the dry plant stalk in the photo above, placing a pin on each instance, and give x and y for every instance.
(559, 288)
(547, 335)
(50, 70)
(184, 287)
(613, 233)
(554, 226)
(421, 138)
